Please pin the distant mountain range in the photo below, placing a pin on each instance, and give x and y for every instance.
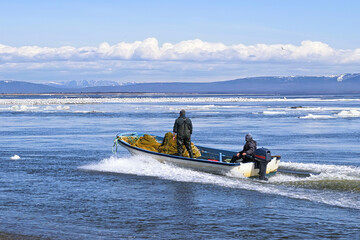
(82, 84)
(340, 84)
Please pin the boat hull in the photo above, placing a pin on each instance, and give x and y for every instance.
(206, 165)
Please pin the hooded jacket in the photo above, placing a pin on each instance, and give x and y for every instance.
(250, 146)
(183, 126)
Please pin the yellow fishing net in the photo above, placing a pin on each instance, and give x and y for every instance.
(195, 150)
(131, 139)
(168, 146)
(147, 142)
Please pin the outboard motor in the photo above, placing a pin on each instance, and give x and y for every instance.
(263, 157)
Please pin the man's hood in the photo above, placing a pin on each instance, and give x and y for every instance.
(182, 113)
(248, 137)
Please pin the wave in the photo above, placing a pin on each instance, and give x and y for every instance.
(323, 168)
(280, 184)
(62, 101)
(321, 176)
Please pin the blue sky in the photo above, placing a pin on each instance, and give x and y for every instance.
(147, 41)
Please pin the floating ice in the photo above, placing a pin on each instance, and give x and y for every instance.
(343, 114)
(273, 112)
(61, 101)
(23, 108)
(15, 157)
(349, 113)
(311, 116)
(60, 108)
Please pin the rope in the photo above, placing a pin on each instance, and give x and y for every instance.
(115, 145)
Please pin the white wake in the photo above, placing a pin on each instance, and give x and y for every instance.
(142, 166)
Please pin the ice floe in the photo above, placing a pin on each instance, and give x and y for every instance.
(63, 101)
(15, 157)
(23, 108)
(342, 114)
(312, 116)
(274, 112)
(349, 113)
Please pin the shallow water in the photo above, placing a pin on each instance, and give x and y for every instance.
(67, 184)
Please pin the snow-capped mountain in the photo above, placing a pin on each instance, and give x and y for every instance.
(82, 84)
(337, 84)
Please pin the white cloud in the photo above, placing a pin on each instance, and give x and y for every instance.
(191, 60)
(191, 50)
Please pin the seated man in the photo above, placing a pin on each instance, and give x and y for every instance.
(248, 152)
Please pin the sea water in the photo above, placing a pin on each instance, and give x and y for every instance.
(60, 179)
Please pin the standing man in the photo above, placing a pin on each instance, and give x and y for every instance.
(183, 131)
(248, 152)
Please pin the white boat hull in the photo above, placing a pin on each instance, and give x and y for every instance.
(242, 169)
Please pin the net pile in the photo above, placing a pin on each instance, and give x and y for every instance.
(168, 145)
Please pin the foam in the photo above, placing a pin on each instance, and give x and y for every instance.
(336, 171)
(142, 166)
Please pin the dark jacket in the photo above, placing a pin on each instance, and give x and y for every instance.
(250, 147)
(183, 127)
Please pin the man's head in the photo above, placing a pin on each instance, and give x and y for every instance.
(248, 137)
(182, 113)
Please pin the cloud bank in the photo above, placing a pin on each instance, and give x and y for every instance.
(191, 50)
(185, 58)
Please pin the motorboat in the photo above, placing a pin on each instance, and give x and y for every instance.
(212, 160)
